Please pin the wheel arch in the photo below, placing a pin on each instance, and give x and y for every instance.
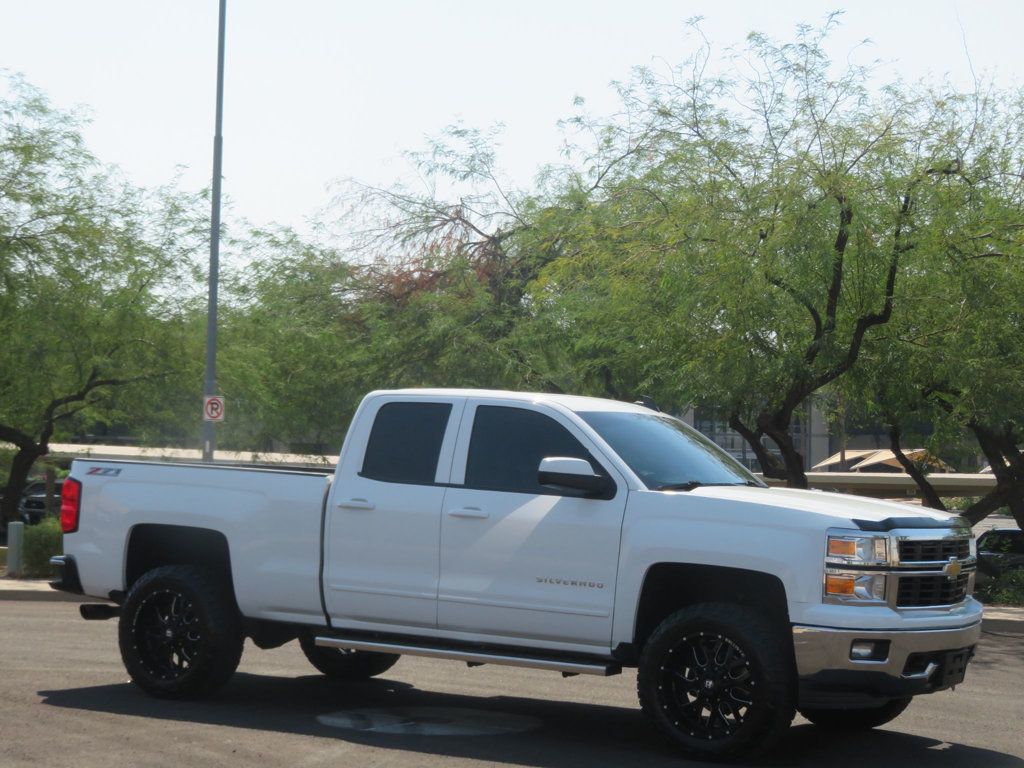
(151, 545)
(668, 587)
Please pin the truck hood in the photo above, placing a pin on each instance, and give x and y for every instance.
(838, 508)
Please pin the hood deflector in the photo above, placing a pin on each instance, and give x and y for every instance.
(891, 523)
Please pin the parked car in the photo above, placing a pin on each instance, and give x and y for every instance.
(563, 533)
(1000, 550)
(32, 507)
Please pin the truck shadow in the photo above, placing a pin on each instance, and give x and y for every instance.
(565, 734)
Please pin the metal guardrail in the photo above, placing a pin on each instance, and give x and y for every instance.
(137, 453)
(896, 485)
(882, 485)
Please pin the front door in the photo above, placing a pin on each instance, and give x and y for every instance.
(519, 559)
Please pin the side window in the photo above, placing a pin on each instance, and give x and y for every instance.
(405, 442)
(507, 444)
(994, 542)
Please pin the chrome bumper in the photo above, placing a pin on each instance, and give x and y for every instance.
(915, 662)
(819, 649)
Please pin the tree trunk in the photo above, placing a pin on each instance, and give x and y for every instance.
(770, 466)
(1002, 450)
(928, 493)
(796, 475)
(984, 507)
(1016, 505)
(21, 465)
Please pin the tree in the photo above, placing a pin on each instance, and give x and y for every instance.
(956, 357)
(444, 270)
(750, 233)
(85, 268)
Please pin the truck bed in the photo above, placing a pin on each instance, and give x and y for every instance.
(277, 514)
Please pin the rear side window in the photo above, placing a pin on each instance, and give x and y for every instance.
(405, 442)
(507, 445)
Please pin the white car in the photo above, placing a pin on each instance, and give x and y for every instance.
(566, 533)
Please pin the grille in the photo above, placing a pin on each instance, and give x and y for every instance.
(924, 591)
(930, 551)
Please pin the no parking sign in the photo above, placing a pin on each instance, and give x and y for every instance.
(213, 408)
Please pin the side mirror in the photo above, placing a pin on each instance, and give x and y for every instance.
(576, 476)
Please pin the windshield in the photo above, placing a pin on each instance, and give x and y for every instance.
(666, 453)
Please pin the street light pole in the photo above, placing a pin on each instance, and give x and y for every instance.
(210, 383)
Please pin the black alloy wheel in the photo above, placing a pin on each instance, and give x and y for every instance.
(706, 686)
(180, 632)
(718, 681)
(168, 634)
(345, 663)
(857, 719)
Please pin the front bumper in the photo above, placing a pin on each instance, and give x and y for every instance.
(914, 662)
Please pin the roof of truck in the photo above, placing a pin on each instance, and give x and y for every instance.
(572, 402)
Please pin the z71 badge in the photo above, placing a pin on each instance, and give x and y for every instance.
(104, 471)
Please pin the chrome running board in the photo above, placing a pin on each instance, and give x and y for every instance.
(474, 658)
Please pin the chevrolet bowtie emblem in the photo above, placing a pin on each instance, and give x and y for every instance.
(952, 568)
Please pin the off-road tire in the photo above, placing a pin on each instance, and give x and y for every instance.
(856, 719)
(342, 664)
(180, 632)
(752, 664)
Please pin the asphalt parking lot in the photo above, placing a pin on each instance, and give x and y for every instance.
(64, 700)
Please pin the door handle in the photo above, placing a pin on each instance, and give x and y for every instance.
(472, 512)
(355, 504)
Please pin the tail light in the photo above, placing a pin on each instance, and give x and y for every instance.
(70, 505)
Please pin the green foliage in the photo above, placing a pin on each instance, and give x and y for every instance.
(41, 542)
(747, 238)
(93, 281)
(736, 239)
(1008, 589)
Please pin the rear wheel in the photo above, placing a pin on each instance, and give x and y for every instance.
(717, 680)
(344, 664)
(180, 633)
(856, 719)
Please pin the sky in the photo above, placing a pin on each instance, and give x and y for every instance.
(321, 90)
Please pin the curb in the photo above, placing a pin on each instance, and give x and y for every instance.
(36, 591)
(1005, 620)
(53, 596)
(1003, 627)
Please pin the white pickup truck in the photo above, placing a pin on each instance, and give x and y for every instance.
(566, 533)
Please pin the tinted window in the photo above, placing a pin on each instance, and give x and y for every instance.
(664, 452)
(507, 445)
(1002, 543)
(405, 442)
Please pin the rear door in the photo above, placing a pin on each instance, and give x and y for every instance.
(384, 514)
(518, 559)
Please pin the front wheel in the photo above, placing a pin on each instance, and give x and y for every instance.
(856, 719)
(180, 633)
(344, 664)
(717, 680)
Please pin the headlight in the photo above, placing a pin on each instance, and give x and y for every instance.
(854, 587)
(853, 549)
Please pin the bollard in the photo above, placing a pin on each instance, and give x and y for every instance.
(15, 542)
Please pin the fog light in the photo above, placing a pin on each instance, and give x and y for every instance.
(869, 650)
